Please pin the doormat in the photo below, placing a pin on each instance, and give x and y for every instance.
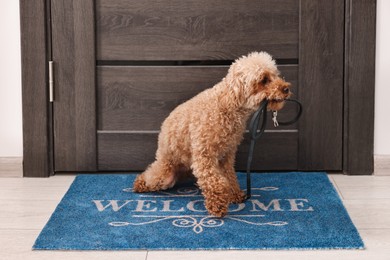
(292, 210)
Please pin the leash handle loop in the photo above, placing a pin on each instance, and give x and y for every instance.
(256, 134)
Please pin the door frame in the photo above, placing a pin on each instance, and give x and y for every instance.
(359, 85)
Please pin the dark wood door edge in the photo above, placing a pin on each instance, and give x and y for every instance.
(359, 87)
(35, 103)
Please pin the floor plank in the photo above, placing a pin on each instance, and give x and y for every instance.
(25, 214)
(377, 247)
(17, 244)
(363, 187)
(365, 192)
(62, 181)
(334, 184)
(52, 188)
(25, 192)
(372, 214)
(367, 180)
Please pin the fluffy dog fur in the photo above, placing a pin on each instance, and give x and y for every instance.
(201, 135)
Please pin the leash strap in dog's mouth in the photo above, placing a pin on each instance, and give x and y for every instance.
(256, 134)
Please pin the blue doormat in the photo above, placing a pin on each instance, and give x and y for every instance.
(292, 210)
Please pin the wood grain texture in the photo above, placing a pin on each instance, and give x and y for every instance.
(133, 152)
(34, 89)
(275, 151)
(170, 36)
(140, 98)
(359, 90)
(16, 244)
(195, 29)
(74, 66)
(321, 85)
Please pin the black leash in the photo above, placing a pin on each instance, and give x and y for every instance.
(256, 134)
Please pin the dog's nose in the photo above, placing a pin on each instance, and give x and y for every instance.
(286, 90)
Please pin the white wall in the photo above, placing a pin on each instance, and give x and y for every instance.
(382, 83)
(10, 82)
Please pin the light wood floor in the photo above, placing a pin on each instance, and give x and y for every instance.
(27, 203)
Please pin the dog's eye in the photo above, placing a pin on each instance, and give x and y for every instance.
(265, 80)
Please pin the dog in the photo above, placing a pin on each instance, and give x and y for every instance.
(201, 135)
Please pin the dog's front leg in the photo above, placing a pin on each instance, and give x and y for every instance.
(214, 186)
(227, 166)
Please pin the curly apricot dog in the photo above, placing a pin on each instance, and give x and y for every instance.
(202, 134)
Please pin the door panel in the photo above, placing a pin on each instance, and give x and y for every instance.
(141, 97)
(74, 108)
(123, 151)
(133, 102)
(113, 123)
(195, 29)
(321, 83)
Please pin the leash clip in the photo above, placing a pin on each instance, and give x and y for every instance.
(274, 119)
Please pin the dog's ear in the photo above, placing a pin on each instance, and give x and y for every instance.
(264, 78)
(236, 82)
(235, 75)
(261, 81)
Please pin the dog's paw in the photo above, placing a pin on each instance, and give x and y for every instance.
(139, 185)
(216, 208)
(218, 212)
(238, 198)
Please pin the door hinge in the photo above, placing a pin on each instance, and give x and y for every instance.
(51, 81)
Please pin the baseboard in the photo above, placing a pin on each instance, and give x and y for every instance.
(11, 167)
(381, 164)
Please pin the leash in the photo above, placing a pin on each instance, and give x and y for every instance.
(255, 134)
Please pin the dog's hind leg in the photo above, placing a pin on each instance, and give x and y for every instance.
(160, 175)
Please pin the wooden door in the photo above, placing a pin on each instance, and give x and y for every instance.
(121, 66)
